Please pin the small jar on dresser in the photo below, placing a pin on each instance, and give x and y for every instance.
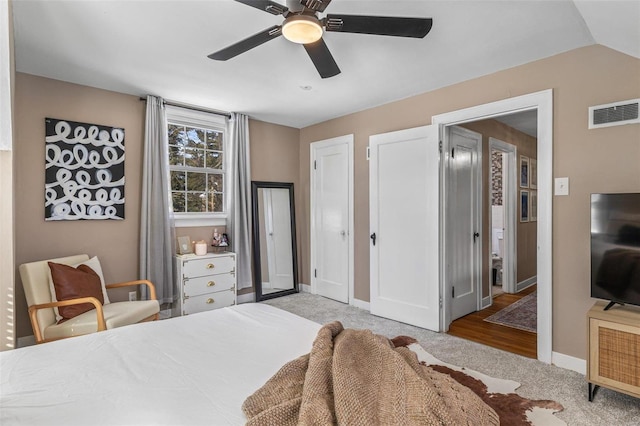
(205, 282)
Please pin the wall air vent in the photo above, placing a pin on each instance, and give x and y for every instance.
(615, 114)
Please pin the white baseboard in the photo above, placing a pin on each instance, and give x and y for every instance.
(304, 288)
(526, 283)
(569, 362)
(26, 341)
(246, 298)
(486, 302)
(360, 304)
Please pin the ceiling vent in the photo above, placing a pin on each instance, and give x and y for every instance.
(615, 114)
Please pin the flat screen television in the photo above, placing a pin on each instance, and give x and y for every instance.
(615, 248)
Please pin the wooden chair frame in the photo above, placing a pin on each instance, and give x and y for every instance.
(99, 312)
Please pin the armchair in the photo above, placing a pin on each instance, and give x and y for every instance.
(35, 279)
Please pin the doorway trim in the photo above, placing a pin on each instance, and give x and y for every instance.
(509, 202)
(543, 102)
(339, 140)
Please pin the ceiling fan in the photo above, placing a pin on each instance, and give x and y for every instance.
(302, 25)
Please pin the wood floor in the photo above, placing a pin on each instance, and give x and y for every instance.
(472, 327)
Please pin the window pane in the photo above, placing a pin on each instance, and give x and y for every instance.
(176, 155)
(195, 137)
(178, 202)
(177, 135)
(194, 157)
(177, 181)
(215, 183)
(214, 160)
(215, 202)
(214, 140)
(196, 202)
(196, 181)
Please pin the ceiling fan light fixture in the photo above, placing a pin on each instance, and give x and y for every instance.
(302, 29)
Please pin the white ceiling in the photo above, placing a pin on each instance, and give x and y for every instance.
(161, 48)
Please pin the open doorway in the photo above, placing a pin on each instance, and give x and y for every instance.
(505, 316)
(542, 103)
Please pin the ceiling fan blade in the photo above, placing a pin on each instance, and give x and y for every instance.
(247, 44)
(266, 5)
(380, 25)
(317, 5)
(322, 58)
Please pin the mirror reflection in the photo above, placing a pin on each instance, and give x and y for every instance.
(275, 269)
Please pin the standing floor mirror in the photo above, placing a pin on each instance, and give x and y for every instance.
(275, 267)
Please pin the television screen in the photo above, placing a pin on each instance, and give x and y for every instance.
(615, 247)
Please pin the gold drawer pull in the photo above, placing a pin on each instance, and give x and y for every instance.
(210, 301)
(210, 266)
(211, 284)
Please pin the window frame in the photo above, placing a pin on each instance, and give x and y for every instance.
(208, 121)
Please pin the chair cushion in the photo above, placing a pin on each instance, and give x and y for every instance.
(93, 263)
(116, 314)
(72, 283)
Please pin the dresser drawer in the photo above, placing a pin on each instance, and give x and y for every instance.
(208, 302)
(208, 266)
(208, 284)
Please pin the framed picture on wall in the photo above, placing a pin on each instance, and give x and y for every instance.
(533, 206)
(524, 171)
(533, 173)
(524, 206)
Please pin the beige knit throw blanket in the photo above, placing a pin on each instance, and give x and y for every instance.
(355, 377)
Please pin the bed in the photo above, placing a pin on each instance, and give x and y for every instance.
(195, 369)
(215, 366)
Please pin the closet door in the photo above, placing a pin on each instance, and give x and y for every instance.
(404, 204)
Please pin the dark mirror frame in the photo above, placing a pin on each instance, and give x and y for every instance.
(257, 267)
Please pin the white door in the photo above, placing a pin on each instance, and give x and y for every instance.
(464, 242)
(331, 207)
(404, 202)
(279, 249)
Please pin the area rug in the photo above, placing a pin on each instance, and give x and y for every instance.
(522, 314)
(499, 394)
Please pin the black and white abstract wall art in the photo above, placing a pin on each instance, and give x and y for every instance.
(84, 177)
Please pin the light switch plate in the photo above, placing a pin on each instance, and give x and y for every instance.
(562, 186)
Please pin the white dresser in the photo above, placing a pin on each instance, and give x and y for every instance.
(205, 282)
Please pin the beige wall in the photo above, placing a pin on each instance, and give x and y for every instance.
(7, 212)
(275, 150)
(115, 242)
(600, 160)
(526, 232)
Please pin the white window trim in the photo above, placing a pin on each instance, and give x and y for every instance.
(189, 117)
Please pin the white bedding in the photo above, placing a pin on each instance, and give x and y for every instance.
(191, 370)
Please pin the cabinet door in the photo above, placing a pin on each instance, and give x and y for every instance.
(614, 359)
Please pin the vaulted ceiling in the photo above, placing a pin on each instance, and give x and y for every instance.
(161, 47)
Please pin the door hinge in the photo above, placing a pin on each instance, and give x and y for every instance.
(453, 292)
(440, 300)
(315, 164)
(315, 273)
(368, 153)
(440, 146)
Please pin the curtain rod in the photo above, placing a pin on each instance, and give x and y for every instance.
(195, 108)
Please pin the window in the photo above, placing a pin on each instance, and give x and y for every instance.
(197, 166)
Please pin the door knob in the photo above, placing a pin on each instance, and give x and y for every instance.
(475, 235)
(373, 238)
(343, 233)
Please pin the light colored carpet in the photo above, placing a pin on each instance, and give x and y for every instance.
(539, 380)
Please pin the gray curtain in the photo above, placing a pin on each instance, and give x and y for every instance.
(156, 216)
(239, 218)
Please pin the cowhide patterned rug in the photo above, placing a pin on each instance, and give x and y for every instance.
(499, 394)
